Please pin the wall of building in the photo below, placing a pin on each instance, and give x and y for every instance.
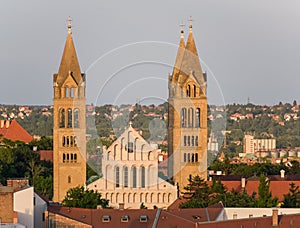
(24, 205)
(40, 206)
(6, 205)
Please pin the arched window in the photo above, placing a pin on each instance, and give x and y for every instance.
(125, 177)
(117, 177)
(68, 158)
(189, 157)
(143, 178)
(135, 148)
(196, 157)
(142, 152)
(198, 117)
(71, 155)
(184, 157)
(115, 151)
(130, 143)
(184, 140)
(188, 91)
(64, 141)
(69, 125)
(196, 141)
(189, 140)
(183, 117)
(69, 179)
(71, 141)
(76, 118)
(62, 118)
(64, 157)
(190, 117)
(195, 91)
(193, 142)
(134, 177)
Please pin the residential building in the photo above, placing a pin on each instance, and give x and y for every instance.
(12, 130)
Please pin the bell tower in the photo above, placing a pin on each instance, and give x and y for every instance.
(187, 123)
(69, 127)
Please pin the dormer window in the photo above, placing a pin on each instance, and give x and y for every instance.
(105, 218)
(125, 218)
(143, 218)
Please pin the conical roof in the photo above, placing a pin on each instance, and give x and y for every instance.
(69, 62)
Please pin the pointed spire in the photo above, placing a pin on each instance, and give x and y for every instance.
(180, 51)
(190, 44)
(69, 61)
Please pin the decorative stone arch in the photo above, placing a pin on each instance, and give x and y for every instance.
(195, 90)
(169, 197)
(165, 198)
(134, 198)
(146, 197)
(124, 198)
(158, 198)
(152, 197)
(62, 118)
(129, 198)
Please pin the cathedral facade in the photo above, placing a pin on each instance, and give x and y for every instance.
(130, 174)
(69, 126)
(187, 123)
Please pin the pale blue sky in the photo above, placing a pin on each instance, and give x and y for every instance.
(252, 47)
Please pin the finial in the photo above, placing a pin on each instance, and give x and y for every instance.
(69, 25)
(191, 22)
(130, 123)
(181, 31)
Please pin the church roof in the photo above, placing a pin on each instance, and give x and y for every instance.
(69, 63)
(12, 130)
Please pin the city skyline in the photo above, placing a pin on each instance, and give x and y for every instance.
(251, 49)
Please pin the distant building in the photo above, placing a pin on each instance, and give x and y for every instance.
(252, 145)
(12, 130)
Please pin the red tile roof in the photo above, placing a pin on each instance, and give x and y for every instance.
(12, 130)
(46, 155)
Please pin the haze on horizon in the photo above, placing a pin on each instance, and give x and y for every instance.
(250, 49)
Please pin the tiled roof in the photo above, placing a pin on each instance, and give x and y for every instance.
(12, 130)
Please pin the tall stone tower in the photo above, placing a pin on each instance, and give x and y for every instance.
(187, 126)
(69, 155)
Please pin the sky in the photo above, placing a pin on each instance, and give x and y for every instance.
(249, 48)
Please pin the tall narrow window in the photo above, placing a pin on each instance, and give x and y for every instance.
(71, 92)
(195, 91)
(184, 157)
(193, 157)
(196, 157)
(184, 140)
(196, 141)
(75, 157)
(64, 141)
(67, 92)
(64, 158)
(189, 140)
(69, 179)
(71, 157)
(117, 177)
(125, 177)
(76, 118)
(193, 142)
(62, 118)
(134, 177)
(188, 91)
(198, 117)
(190, 117)
(130, 143)
(189, 157)
(143, 178)
(183, 117)
(69, 118)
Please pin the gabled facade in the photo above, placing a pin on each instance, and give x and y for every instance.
(187, 123)
(69, 143)
(130, 174)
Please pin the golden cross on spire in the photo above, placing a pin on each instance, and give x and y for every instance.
(69, 25)
(182, 26)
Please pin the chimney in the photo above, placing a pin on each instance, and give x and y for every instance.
(121, 206)
(275, 217)
(282, 172)
(7, 123)
(243, 182)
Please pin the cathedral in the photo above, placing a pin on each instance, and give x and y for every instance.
(130, 164)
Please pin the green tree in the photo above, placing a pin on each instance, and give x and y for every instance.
(200, 193)
(292, 199)
(79, 197)
(265, 198)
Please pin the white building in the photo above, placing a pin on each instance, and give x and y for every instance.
(252, 145)
(24, 206)
(130, 174)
